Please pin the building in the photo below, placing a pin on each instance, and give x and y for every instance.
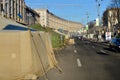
(111, 18)
(1, 7)
(18, 11)
(31, 16)
(48, 19)
(14, 9)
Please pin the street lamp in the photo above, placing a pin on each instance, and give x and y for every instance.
(98, 9)
(87, 17)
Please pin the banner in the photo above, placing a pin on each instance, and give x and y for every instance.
(97, 21)
(87, 27)
(108, 36)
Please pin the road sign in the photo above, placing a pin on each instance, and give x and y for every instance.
(108, 36)
(87, 27)
(97, 21)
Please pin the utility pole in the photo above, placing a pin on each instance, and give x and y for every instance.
(87, 27)
(98, 9)
(87, 17)
(98, 20)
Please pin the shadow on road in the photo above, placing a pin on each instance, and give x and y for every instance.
(109, 49)
(102, 53)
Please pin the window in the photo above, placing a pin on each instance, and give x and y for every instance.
(1, 7)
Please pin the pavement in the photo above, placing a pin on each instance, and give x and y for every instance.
(86, 61)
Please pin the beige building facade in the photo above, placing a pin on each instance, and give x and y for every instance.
(18, 11)
(110, 17)
(48, 19)
(31, 16)
(14, 9)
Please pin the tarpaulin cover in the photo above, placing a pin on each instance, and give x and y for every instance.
(47, 41)
(25, 54)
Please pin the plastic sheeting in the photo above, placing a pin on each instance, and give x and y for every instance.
(25, 55)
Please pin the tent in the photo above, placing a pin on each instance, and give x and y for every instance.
(25, 55)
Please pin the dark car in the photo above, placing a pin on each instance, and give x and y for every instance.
(115, 44)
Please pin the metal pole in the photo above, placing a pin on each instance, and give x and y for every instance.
(87, 17)
(98, 8)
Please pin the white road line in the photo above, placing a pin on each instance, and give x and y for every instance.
(102, 51)
(79, 63)
(75, 51)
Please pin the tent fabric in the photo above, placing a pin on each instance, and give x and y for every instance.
(25, 55)
(47, 41)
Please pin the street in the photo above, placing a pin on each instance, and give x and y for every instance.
(86, 61)
(60, 40)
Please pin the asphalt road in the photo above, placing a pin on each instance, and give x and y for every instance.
(86, 61)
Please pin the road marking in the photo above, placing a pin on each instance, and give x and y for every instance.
(93, 46)
(79, 63)
(102, 51)
(75, 51)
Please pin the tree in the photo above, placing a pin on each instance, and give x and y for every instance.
(115, 4)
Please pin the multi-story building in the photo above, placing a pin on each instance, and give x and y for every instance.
(14, 9)
(1, 7)
(48, 19)
(111, 17)
(31, 16)
(43, 16)
(18, 11)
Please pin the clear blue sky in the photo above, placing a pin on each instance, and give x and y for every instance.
(74, 10)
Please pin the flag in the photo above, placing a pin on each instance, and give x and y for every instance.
(19, 15)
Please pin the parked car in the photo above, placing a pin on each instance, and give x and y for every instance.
(115, 44)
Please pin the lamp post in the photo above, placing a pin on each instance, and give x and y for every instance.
(87, 27)
(98, 9)
(98, 19)
(87, 17)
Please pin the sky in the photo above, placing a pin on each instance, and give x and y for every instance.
(73, 10)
